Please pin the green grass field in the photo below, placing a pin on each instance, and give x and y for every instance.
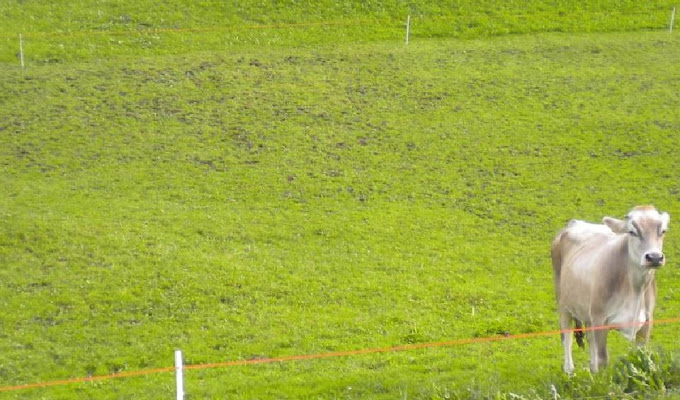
(280, 186)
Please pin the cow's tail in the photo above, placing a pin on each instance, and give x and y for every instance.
(556, 257)
(578, 333)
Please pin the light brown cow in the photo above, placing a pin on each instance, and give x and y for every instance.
(604, 275)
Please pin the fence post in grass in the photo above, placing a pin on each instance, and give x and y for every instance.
(21, 51)
(179, 378)
(408, 27)
(670, 29)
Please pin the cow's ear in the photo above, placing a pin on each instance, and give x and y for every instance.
(616, 225)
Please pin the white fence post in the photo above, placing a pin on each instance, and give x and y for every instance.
(408, 27)
(21, 51)
(179, 378)
(670, 29)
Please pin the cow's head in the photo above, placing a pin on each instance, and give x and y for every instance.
(645, 228)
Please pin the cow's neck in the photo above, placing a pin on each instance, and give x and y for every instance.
(638, 278)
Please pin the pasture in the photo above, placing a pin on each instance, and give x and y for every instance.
(315, 189)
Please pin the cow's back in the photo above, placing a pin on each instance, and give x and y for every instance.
(575, 252)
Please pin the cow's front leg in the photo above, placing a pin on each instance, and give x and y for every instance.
(602, 355)
(597, 340)
(642, 336)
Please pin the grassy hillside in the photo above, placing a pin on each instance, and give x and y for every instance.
(279, 200)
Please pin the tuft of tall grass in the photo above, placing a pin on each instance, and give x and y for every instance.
(640, 373)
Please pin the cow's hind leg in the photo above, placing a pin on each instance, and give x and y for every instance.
(566, 334)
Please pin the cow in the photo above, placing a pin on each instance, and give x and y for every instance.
(604, 279)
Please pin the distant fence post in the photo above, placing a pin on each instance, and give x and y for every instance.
(408, 27)
(670, 29)
(179, 378)
(21, 51)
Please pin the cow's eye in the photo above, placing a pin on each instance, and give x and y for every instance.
(632, 233)
(663, 232)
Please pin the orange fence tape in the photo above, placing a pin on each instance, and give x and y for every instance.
(415, 346)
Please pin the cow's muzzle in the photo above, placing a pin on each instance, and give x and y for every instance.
(654, 259)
